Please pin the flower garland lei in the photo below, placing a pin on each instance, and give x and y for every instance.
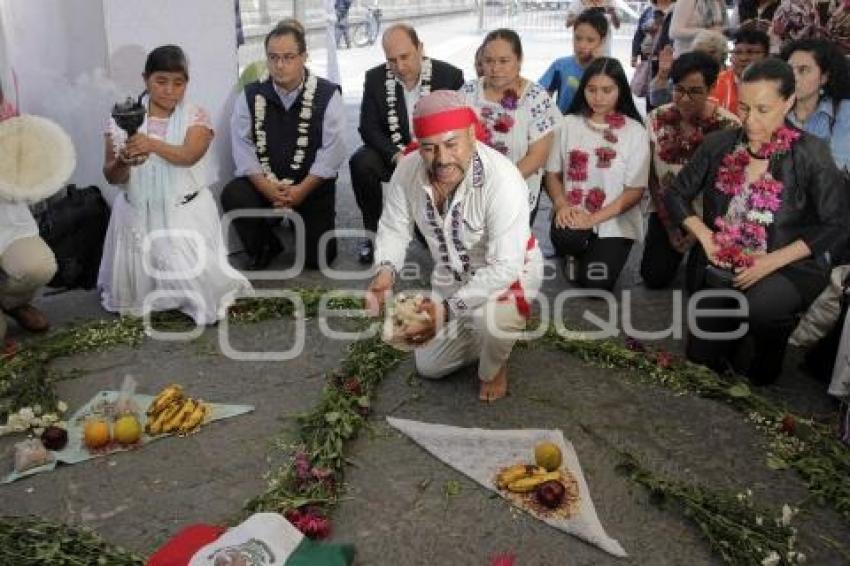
(392, 99)
(740, 237)
(674, 146)
(606, 154)
(501, 121)
(303, 139)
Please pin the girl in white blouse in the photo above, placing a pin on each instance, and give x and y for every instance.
(596, 175)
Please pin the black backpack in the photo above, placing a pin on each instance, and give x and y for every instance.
(74, 226)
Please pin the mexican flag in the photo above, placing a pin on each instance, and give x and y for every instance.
(264, 539)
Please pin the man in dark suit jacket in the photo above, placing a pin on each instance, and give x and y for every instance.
(389, 94)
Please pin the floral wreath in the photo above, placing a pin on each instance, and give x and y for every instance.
(675, 147)
(742, 232)
(301, 142)
(392, 112)
(501, 121)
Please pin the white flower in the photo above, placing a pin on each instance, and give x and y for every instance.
(36, 409)
(38, 431)
(760, 216)
(393, 119)
(771, 559)
(759, 521)
(61, 406)
(295, 167)
(301, 141)
(306, 113)
(288, 182)
(801, 558)
(390, 84)
(26, 414)
(396, 137)
(787, 514)
(299, 157)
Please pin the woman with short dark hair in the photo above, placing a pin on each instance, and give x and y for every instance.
(770, 222)
(676, 130)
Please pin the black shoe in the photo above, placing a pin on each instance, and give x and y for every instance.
(266, 255)
(366, 252)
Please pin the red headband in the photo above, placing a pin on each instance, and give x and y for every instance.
(446, 121)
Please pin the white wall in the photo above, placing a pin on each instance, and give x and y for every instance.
(75, 59)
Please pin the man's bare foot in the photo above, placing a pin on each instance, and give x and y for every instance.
(496, 388)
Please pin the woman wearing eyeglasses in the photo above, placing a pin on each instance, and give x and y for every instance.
(675, 132)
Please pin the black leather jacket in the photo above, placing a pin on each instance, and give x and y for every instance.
(815, 202)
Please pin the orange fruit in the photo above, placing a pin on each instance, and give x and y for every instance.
(127, 429)
(96, 433)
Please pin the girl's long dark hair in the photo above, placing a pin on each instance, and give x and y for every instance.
(830, 59)
(610, 68)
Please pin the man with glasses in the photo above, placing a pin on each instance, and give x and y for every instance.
(751, 45)
(287, 138)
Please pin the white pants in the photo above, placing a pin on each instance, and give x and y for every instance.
(26, 265)
(487, 335)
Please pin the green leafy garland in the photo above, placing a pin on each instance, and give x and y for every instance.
(812, 449)
(310, 479)
(29, 541)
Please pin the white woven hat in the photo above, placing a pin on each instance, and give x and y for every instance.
(37, 158)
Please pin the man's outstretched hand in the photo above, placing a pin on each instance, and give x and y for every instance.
(376, 294)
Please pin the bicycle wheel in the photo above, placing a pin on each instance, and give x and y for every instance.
(360, 34)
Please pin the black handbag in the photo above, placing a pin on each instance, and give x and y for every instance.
(718, 278)
(74, 226)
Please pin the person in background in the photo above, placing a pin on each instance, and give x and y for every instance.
(342, 7)
(564, 74)
(648, 30)
(288, 145)
(691, 16)
(165, 225)
(390, 91)
(517, 114)
(757, 13)
(751, 45)
(606, 8)
(771, 219)
(676, 130)
(822, 101)
(596, 176)
(706, 41)
(26, 263)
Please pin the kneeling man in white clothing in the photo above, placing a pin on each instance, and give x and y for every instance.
(470, 202)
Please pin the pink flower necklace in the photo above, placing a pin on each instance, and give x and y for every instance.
(576, 172)
(742, 233)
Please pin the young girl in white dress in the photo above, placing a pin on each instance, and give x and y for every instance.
(164, 248)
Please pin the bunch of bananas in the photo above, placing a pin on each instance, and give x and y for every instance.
(522, 478)
(171, 411)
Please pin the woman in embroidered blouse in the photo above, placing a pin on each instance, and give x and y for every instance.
(596, 175)
(164, 248)
(771, 219)
(822, 91)
(675, 131)
(518, 115)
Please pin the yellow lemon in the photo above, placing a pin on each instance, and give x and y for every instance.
(96, 433)
(547, 455)
(127, 429)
